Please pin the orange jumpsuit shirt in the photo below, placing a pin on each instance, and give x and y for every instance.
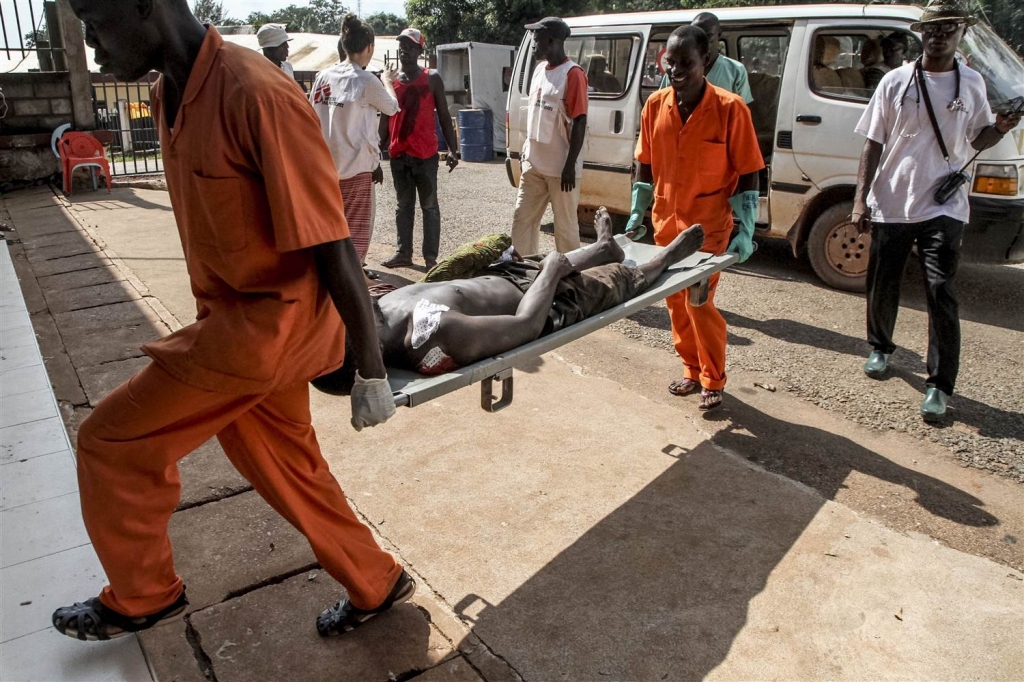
(253, 187)
(696, 166)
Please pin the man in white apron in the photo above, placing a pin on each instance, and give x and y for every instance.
(556, 125)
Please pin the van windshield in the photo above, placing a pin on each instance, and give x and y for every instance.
(1002, 70)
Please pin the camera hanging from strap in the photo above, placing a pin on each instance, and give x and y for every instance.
(953, 106)
(919, 75)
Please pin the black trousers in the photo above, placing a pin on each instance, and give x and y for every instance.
(938, 250)
(414, 176)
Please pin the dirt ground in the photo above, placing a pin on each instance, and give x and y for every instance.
(809, 339)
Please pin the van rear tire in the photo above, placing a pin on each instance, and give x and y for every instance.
(838, 254)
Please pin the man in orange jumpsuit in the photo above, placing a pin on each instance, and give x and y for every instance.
(698, 149)
(261, 222)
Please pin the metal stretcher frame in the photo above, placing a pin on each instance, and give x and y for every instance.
(411, 389)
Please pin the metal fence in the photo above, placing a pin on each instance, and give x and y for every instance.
(124, 110)
(30, 36)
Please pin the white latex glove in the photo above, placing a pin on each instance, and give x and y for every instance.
(372, 402)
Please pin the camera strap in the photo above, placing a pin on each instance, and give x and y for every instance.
(919, 73)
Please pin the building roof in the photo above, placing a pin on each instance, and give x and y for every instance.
(307, 52)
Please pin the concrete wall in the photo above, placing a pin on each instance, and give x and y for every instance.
(36, 102)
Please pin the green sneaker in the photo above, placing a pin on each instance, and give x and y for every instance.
(877, 364)
(933, 408)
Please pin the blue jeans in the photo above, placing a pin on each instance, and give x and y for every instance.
(412, 175)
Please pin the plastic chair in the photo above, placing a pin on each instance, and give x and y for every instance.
(80, 150)
(57, 134)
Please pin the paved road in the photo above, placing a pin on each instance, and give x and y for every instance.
(810, 339)
(597, 498)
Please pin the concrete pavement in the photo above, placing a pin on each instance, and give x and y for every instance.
(46, 559)
(596, 529)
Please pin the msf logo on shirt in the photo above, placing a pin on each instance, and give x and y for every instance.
(322, 95)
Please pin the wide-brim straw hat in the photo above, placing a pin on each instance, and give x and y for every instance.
(941, 11)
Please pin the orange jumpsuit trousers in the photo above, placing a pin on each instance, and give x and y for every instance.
(128, 451)
(698, 332)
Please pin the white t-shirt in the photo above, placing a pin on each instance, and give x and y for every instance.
(912, 167)
(347, 98)
(288, 69)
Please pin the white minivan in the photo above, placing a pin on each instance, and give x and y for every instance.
(809, 92)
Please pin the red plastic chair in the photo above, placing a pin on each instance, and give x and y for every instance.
(81, 150)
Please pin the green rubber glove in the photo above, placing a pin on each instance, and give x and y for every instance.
(643, 195)
(744, 205)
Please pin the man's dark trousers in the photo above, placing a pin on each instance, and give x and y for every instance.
(938, 250)
(412, 175)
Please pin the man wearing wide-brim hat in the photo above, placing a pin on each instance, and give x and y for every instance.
(273, 40)
(923, 125)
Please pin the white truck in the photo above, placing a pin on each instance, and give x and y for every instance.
(804, 109)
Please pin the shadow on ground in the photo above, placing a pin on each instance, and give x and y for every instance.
(661, 587)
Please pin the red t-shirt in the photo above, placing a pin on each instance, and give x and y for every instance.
(412, 129)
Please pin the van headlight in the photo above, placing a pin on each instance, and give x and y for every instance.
(991, 178)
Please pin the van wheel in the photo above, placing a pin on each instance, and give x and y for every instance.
(838, 254)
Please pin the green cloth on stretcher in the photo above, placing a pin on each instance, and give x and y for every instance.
(469, 260)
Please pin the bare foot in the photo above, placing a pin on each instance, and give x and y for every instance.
(603, 227)
(686, 244)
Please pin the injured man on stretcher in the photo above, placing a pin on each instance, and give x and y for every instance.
(436, 327)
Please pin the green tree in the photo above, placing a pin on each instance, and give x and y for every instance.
(386, 24)
(319, 16)
(492, 21)
(212, 12)
(501, 21)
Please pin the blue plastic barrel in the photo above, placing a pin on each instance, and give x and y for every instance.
(476, 134)
(442, 145)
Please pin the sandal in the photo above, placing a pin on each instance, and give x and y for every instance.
(709, 400)
(344, 617)
(92, 621)
(399, 260)
(683, 387)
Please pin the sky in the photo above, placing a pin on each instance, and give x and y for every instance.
(241, 8)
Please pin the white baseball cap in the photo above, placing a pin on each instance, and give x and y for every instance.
(272, 35)
(414, 35)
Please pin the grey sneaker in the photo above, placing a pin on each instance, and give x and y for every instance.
(877, 364)
(933, 408)
(344, 616)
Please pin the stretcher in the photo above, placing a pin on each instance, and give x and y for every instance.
(411, 389)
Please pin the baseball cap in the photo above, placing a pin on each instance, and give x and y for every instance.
(272, 35)
(555, 27)
(414, 35)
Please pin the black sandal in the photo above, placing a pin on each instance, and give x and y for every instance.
(344, 617)
(683, 387)
(92, 621)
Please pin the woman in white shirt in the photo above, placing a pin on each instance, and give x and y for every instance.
(348, 99)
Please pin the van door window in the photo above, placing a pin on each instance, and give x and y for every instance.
(763, 56)
(849, 64)
(607, 61)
